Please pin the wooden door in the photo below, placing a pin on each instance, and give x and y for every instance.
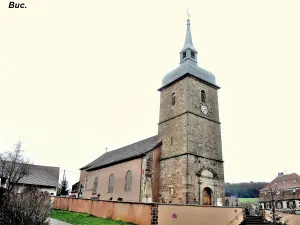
(206, 196)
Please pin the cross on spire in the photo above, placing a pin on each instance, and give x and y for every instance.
(188, 14)
(188, 52)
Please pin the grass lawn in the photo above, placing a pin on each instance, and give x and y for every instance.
(82, 218)
(248, 200)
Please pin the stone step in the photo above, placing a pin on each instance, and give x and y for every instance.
(253, 220)
(253, 217)
(256, 223)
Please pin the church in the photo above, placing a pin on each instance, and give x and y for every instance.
(183, 163)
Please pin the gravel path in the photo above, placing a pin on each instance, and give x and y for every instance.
(58, 222)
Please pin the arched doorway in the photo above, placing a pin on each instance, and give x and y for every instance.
(207, 196)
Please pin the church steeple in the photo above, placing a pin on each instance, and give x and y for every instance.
(188, 51)
(188, 64)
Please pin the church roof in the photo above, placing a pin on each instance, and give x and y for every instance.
(188, 65)
(135, 150)
(288, 181)
(188, 68)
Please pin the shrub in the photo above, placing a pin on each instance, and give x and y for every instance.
(29, 207)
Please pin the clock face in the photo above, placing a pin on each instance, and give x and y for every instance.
(204, 109)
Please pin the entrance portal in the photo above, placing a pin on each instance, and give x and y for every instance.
(207, 196)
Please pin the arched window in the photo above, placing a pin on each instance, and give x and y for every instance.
(128, 181)
(95, 186)
(203, 96)
(111, 183)
(173, 99)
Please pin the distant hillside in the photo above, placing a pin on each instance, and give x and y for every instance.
(244, 190)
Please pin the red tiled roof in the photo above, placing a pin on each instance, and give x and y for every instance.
(284, 182)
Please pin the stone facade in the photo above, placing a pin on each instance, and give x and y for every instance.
(150, 176)
(203, 173)
(173, 180)
(146, 178)
(191, 157)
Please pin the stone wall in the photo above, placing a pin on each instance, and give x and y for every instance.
(146, 178)
(191, 144)
(150, 176)
(291, 218)
(203, 173)
(173, 180)
(131, 212)
(194, 88)
(153, 214)
(167, 110)
(173, 134)
(204, 137)
(196, 215)
(156, 154)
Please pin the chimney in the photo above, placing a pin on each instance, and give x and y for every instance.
(280, 174)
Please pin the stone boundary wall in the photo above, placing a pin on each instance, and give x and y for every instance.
(152, 213)
(196, 215)
(292, 218)
(132, 212)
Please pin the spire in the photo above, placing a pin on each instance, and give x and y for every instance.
(188, 64)
(188, 38)
(188, 52)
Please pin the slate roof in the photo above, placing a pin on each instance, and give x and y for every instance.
(38, 175)
(191, 68)
(135, 150)
(42, 175)
(288, 181)
(188, 43)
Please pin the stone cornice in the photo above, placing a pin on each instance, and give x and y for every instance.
(188, 153)
(186, 112)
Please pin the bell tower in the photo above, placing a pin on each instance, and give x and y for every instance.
(189, 128)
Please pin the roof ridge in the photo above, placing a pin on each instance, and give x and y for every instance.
(136, 149)
(131, 144)
(284, 181)
(45, 166)
(31, 164)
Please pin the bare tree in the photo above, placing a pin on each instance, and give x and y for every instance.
(274, 196)
(13, 167)
(29, 207)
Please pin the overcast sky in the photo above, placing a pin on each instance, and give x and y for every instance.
(79, 76)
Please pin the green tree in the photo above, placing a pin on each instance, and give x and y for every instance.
(244, 190)
(63, 187)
